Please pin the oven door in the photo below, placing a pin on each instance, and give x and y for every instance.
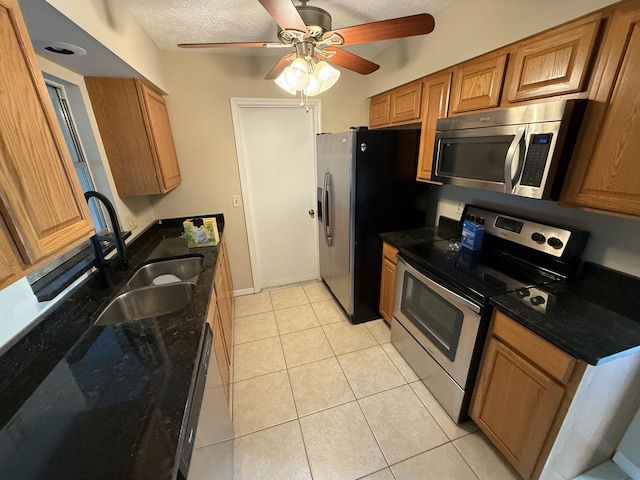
(445, 324)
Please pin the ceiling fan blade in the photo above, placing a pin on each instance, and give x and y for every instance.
(228, 44)
(278, 67)
(352, 62)
(386, 29)
(285, 14)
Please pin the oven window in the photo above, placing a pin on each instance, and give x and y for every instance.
(475, 158)
(434, 316)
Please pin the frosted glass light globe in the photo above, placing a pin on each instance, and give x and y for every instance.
(296, 75)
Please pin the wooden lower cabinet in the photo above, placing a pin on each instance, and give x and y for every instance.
(220, 316)
(387, 280)
(520, 388)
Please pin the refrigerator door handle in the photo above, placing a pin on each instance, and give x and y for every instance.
(327, 213)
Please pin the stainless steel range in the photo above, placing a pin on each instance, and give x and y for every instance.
(441, 311)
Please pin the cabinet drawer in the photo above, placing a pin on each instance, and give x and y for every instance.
(546, 356)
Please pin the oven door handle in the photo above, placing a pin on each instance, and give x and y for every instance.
(509, 177)
(437, 288)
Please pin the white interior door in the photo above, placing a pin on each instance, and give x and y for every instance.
(275, 142)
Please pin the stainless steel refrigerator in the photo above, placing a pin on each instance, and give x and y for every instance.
(366, 185)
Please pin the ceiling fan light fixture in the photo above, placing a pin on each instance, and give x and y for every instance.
(296, 75)
(322, 79)
(282, 82)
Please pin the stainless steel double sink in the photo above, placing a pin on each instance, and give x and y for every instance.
(155, 288)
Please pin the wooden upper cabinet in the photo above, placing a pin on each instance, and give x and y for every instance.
(605, 171)
(553, 63)
(399, 106)
(477, 84)
(406, 103)
(40, 196)
(379, 110)
(136, 133)
(435, 93)
(159, 129)
(9, 265)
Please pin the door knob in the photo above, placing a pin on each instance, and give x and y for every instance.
(311, 213)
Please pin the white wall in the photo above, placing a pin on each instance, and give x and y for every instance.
(468, 28)
(628, 452)
(111, 24)
(201, 85)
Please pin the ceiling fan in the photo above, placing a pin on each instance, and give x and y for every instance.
(307, 30)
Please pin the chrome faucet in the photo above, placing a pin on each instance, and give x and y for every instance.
(100, 262)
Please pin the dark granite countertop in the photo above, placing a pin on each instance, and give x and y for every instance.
(595, 318)
(80, 401)
(447, 229)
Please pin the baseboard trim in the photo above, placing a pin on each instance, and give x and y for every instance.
(626, 465)
(244, 291)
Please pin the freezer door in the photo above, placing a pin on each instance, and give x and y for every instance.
(335, 172)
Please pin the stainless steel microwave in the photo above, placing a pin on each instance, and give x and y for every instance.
(520, 150)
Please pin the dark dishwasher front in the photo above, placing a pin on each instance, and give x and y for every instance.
(194, 412)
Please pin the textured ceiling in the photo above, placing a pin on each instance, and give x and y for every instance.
(169, 22)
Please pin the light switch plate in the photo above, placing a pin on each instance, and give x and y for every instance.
(237, 200)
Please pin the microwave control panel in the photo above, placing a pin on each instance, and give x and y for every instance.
(536, 159)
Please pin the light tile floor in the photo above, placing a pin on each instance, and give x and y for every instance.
(315, 397)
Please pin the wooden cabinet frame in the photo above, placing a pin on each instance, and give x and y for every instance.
(40, 196)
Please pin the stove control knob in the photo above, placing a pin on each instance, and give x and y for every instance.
(480, 220)
(537, 300)
(538, 238)
(555, 243)
(523, 293)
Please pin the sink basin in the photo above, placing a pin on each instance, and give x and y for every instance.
(146, 302)
(183, 269)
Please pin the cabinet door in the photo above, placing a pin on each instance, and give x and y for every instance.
(406, 102)
(436, 104)
(379, 109)
(224, 297)
(159, 129)
(221, 353)
(40, 197)
(514, 404)
(605, 172)
(477, 84)
(554, 63)
(387, 280)
(9, 266)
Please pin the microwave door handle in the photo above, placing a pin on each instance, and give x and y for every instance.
(511, 153)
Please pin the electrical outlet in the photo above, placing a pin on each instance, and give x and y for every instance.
(459, 207)
(237, 201)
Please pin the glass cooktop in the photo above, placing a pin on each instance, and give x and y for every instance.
(474, 275)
